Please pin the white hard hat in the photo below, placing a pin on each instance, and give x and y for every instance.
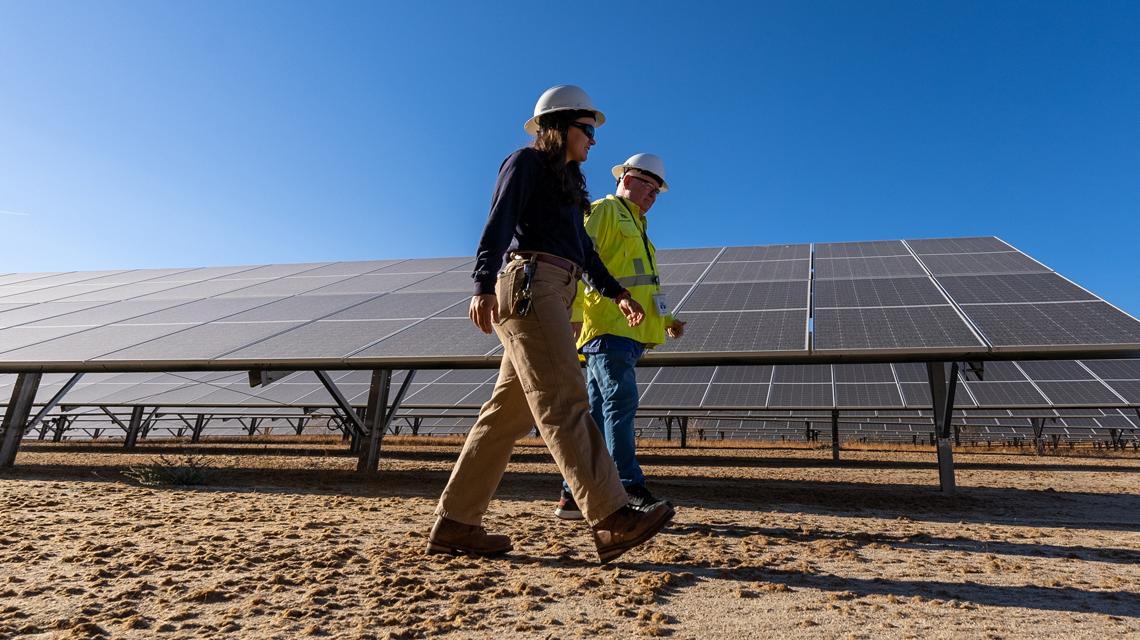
(646, 162)
(564, 97)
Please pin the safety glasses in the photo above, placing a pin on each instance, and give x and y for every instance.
(586, 128)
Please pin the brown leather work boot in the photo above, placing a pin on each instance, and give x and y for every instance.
(626, 528)
(449, 536)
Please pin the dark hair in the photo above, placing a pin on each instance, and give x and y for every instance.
(551, 143)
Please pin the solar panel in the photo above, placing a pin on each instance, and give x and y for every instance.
(868, 373)
(1006, 394)
(736, 395)
(901, 328)
(867, 395)
(874, 267)
(872, 300)
(1078, 392)
(743, 374)
(1053, 325)
(877, 292)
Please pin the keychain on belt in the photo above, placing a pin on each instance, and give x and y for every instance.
(522, 304)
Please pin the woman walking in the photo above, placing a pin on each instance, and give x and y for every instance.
(536, 221)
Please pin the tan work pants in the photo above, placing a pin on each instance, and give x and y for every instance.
(540, 383)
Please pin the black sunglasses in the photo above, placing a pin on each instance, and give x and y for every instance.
(587, 129)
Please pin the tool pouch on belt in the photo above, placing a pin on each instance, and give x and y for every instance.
(523, 294)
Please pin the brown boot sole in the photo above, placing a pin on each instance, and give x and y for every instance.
(437, 548)
(610, 554)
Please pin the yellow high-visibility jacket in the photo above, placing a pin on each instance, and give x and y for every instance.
(619, 232)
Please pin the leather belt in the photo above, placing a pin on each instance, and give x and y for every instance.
(561, 263)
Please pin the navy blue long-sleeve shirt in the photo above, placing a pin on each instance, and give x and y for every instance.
(528, 213)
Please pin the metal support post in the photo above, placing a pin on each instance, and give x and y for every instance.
(668, 428)
(942, 388)
(60, 429)
(199, 425)
(134, 427)
(835, 435)
(378, 416)
(1038, 430)
(684, 432)
(807, 431)
(16, 416)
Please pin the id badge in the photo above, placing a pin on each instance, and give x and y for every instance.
(662, 303)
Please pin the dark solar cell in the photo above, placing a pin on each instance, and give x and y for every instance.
(743, 374)
(441, 394)
(1078, 392)
(77, 346)
(681, 273)
(1005, 394)
(429, 265)
(275, 271)
(958, 245)
(1076, 323)
(207, 310)
(684, 375)
(742, 331)
(673, 395)
(645, 374)
(48, 294)
(680, 256)
(1024, 287)
(759, 271)
(198, 290)
(204, 273)
(877, 292)
(404, 305)
(22, 314)
(122, 292)
(995, 371)
(200, 342)
(468, 376)
(769, 252)
(459, 281)
(803, 373)
(863, 373)
(736, 396)
(982, 263)
(800, 395)
(861, 249)
(1128, 389)
(284, 287)
(299, 308)
(748, 296)
(374, 283)
(1055, 370)
(843, 268)
(1115, 369)
(435, 337)
(891, 328)
(674, 293)
(350, 268)
(917, 394)
(328, 339)
(867, 395)
(106, 314)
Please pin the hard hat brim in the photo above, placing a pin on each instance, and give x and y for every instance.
(531, 126)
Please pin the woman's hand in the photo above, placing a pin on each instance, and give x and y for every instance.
(676, 329)
(632, 311)
(483, 311)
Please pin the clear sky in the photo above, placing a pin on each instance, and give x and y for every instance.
(156, 134)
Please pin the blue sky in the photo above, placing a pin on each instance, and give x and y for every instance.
(154, 134)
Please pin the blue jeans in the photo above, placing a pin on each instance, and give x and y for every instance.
(612, 387)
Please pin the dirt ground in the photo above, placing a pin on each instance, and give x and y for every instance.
(766, 542)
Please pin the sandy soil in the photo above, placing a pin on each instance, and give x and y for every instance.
(765, 542)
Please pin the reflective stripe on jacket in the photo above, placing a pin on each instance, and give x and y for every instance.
(619, 232)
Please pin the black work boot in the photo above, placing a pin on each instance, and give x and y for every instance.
(449, 536)
(641, 499)
(627, 527)
(567, 508)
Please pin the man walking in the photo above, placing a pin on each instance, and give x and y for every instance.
(617, 224)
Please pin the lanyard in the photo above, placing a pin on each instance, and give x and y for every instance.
(644, 238)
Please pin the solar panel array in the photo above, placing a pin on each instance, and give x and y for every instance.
(945, 298)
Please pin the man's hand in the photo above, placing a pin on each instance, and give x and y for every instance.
(483, 311)
(576, 329)
(632, 311)
(676, 329)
